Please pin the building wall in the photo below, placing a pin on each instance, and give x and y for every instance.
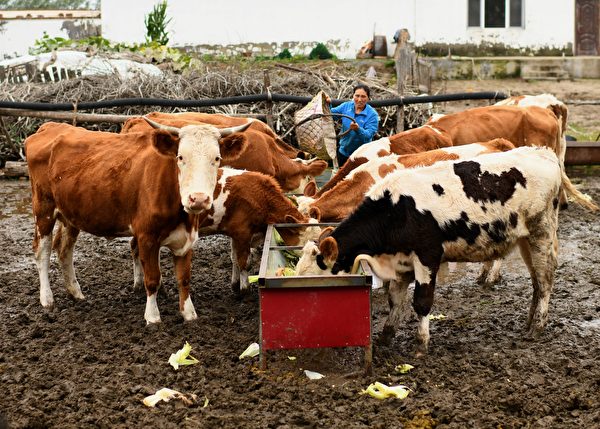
(266, 27)
(18, 36)
(260, 26)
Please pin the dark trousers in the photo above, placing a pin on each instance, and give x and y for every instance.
(341, 158)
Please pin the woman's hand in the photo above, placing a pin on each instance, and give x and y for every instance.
(354, 126)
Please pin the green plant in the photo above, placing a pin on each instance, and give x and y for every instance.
(156, 24)
(320, 52)
(284, 55)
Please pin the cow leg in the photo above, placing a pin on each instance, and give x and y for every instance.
(399, 307)
(149, 253)
(64, 241)
(540, 258)
(423, 301)
(242, 253)
(183, 271)
(42, 247)
(138, 272)
(235, 271)
(490, 273)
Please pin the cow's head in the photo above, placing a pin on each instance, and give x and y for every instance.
(199, 150)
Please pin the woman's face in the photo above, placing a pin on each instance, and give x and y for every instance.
(360, 98)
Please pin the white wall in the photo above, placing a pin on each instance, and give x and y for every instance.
(19, 35)
(233, 26)
(345, 25)
(547, 23)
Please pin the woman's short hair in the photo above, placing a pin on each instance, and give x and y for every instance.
(364, 88)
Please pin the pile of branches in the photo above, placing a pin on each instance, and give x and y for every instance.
(209, 82)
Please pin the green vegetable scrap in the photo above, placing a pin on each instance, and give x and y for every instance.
(182, 357)
(381, 391)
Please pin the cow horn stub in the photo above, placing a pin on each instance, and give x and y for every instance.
(227, 131)
(172, 130)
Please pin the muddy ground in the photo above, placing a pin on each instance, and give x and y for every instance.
(90, 364)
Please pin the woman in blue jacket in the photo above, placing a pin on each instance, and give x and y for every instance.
(361, 132)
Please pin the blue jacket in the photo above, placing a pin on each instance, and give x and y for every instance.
(368, 121)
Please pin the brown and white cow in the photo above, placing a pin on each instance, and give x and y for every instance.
(523, 126)
(473, 210)
(154, 186)
(262, 153)
(338, 202)
(245, 203)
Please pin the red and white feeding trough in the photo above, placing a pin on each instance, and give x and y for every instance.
(312, 311)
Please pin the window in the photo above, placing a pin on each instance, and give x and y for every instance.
(495, 13)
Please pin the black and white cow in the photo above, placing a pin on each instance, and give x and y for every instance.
(474, 210)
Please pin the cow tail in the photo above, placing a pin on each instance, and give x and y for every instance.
(577, 196)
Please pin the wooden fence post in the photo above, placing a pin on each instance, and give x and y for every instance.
(403, 57)
(267, 83)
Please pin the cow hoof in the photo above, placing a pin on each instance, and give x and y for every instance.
(564, 206)
(387, 336)
(151, 322)
(235, 288)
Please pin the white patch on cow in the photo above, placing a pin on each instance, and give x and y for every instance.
(372, 166)
(68, 271)
(422, 274)
(423, 331)
(189, 312)
(540, 100)
(219, 203)
(433, 128)
(244, 283)
(466, 151)
(138, 274)
(42, 259)
(303, 182)
(180, 241)
(371, 150)
(307, 264)
(311, 233)
(198, 161)
(304, 203)
(151, 314)
(435, 117)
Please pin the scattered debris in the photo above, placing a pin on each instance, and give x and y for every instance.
(436, 317)
(251, 351)
(182, 357)
(313, 375)
(165, 394)
(381, 391)
(403, 368)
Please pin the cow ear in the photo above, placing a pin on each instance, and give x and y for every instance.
(326, 233)
(315, 213)
(310, 189)
(329, 249)
(232, 146)
(292, 219)
(166, 143)
(135, 124)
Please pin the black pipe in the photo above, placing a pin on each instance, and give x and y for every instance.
(256, 98)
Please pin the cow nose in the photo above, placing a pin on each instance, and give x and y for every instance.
(199, 201)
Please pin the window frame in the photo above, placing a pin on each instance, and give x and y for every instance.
(507, 15)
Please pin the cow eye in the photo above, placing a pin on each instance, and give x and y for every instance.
(179, 158)
(218, 158)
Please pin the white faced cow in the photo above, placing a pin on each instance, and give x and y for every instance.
(154, 186)
(457, 211)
